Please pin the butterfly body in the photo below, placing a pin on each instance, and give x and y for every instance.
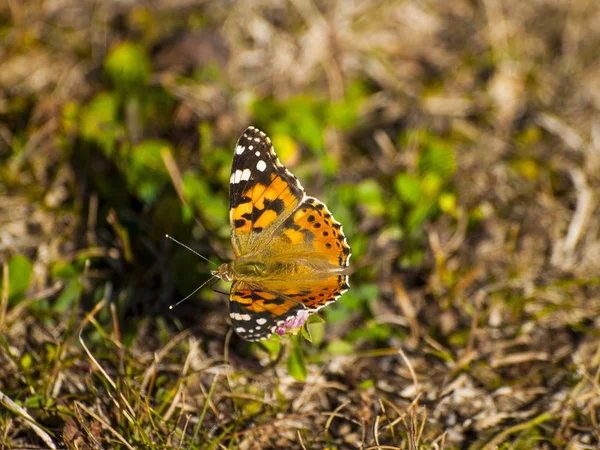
(291, 256)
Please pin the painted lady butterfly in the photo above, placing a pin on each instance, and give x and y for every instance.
(291, 256)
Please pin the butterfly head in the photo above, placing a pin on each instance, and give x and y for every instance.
(224, 272)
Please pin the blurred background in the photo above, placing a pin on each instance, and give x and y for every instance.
(457, 142)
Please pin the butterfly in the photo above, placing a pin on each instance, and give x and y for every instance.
(291, 255)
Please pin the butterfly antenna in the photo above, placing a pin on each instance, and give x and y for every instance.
(191, 250)
(189, 295)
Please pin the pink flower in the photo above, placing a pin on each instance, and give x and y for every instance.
(292, 323)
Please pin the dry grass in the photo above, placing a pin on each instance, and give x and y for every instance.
(500, 319)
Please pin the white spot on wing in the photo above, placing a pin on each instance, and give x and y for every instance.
(261, 321)
(238, 176)
(261, 165)
(245, 175)
(257, 153)
(240, 149)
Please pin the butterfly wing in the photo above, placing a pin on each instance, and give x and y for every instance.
(255, 312)
(262, 192)
(311, 237)
(310, 232)
(311, 294)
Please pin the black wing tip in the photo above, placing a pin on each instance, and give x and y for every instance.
(255, 135)
(253, 131)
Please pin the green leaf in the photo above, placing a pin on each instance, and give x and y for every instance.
(286, 148)
(296, 364)
(314, 325)
(373, 333)
(64, 270)
(272, 345)
(69, 118)
(352, 301)
(367, 384)
(431, 183)
(339, 312)
(38, 401)
(67, 296)
(447, 203)
(19, 277)
(408, 188)
(360, 295)
(419, 214)
(344, 114)
(146, 173)
(98, 123)
(128, 66)
(26, 361)
(315, 319)
(214, 208)
(306, 333)
(359, 243)
(437, 157)
(369, 194)
(317, 332)
(368, 292)
(306, 116)
(301, 117)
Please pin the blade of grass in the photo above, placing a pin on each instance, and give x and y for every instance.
(110, 429)
(30, 421)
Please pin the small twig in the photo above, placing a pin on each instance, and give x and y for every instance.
(301, 440)
(331, 416)
(184, 429)
(376, 429)
(174, 173)
(408, 310)
(117, 330)
(110, 429)
(562, 254)
(92, 220)
(583, 211)
(410, 369)
(557, 127)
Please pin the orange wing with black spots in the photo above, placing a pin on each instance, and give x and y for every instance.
(262, 192)
(315, 240)
(313, 231)
(312, 294)
(255, 312)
